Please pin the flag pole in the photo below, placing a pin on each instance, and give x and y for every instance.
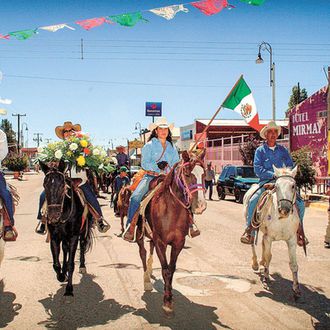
(216, 113)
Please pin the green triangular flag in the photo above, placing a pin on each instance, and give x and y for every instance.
(254, 2)
(23, 34)
(128, 19)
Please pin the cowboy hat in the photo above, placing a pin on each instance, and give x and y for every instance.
(162, 123)
(67, 126)
(270, 125)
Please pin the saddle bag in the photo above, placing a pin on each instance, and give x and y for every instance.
(137, 179)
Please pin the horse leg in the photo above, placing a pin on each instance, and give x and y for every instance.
(150, 259)
(65, 249)
(122, 221)
(166, 273)
(2, 249)
(266, 258)
(292, 245)
(82, 242)
(143, 256)
(72, 253)
(55, 249)
(255, 265)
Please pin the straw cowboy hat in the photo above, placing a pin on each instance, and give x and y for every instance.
(162, 123)
(67, 126)
(270, 125)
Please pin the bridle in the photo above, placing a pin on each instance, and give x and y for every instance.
(64, 193)
(187, 190)
(293, 196)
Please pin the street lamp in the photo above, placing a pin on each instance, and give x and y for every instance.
(266, 46)
(22, 135)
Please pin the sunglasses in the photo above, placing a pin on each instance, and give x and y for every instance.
(68, 131)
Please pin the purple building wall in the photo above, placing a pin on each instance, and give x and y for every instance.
(308, 127)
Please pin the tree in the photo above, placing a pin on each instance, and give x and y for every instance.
(7, 127)
(305, 177)
(297, 95)
(248, 149)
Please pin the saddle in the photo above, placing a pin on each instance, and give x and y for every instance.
(262, 206)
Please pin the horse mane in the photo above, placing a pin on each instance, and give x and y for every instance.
(285, 171)
(168, 179)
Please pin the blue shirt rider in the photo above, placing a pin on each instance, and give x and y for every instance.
(158, 156)
(64, 132)
(267, 155)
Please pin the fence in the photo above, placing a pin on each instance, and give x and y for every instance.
(225, 151)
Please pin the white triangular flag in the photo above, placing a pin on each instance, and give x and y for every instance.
(170, 11)
(54, 28)
(5, 101)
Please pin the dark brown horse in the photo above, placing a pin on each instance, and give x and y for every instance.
(65, 224)
(169, 215)
(122, 204)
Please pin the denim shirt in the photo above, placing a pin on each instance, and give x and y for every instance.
(265, 158)
(152, 151)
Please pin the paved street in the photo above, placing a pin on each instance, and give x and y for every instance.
(214, 285)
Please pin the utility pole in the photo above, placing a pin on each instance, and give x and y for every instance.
(18, 115)
(38, 138)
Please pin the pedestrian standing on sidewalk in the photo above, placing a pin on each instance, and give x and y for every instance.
(209, 179)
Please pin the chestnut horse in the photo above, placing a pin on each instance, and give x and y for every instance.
(169, 215)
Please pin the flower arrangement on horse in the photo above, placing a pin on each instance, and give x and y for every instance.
(78, 151)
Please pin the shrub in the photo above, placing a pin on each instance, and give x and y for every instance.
(15, 162)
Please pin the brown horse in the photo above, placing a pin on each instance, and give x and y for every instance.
(122, 204)
(169, 215)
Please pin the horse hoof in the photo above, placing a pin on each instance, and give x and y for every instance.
(68, 299)
(82, 270)
(168, 310)
(255, 267)
(265, 284)
(148, 286)
(61, 278)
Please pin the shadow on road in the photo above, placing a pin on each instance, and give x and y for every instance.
(8, 309)
(187, 314)
(314, 303)
(87, 310)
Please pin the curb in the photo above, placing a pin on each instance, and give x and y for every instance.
(319, 206)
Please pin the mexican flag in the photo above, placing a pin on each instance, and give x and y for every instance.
(241, 100)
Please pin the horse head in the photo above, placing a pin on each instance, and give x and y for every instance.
(193, 176)
(285, 187)
(55, 190)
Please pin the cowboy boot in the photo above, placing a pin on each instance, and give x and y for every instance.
(41, 229)
(193, 230)
(247, 237)
(102, 225)
(301, 238)
(130, 231)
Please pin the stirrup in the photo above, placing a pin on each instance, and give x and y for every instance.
(193, 231)
(102, 225)
(128, 235)
(38, 228)
(247, 237)
(10, 235)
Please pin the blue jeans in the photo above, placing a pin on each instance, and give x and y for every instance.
(254, 201)
(88, 193)
(7, 198)
(137, 196)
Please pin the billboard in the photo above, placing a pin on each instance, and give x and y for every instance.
(308, 127)
(154, 109)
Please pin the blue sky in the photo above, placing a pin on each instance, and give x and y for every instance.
(189, 63)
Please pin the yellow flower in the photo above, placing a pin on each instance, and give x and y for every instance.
(84, 143)
(81, 161)
(69, 153)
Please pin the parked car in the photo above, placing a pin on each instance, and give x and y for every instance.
(134, 169)
(236, 181)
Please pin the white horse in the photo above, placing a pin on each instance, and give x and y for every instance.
(279, 221)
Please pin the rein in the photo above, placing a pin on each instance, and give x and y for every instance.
(182, 184)
(293, 196)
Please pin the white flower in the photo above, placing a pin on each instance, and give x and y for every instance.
(96, 152)
(114, 160)
(40, 149)
(73, 146)
(101, 166)
(103, 153)
(58, 154)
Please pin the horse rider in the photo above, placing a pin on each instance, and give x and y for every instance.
(5, 194)
(267, 155)
(121, 180)
(159, 155)
(122, 158)
(64, 132)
